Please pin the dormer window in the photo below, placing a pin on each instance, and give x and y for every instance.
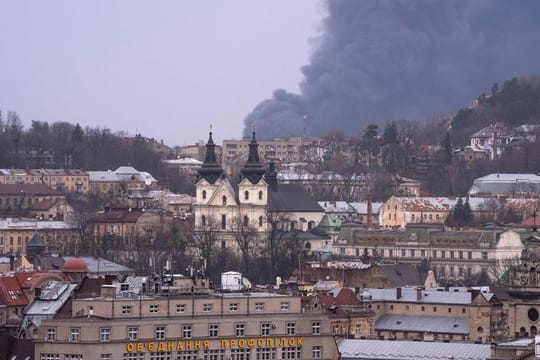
(224, 200)
(260, 195)
(246, 195)
(204, 194)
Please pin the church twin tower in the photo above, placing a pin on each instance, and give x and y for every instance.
(224, 207)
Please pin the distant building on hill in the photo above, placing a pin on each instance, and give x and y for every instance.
(506, 185)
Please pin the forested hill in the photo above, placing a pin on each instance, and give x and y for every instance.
(514, 103)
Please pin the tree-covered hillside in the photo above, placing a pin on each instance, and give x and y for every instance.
(514, 103)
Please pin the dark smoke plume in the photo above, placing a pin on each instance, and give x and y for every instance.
(380, 60)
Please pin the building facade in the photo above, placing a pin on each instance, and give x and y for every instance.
(454, 256)
(196, 326)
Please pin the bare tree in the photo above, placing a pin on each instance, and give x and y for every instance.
(276, 221)
(203, 239)
(246, 237)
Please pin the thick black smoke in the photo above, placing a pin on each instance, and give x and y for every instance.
(380, 60)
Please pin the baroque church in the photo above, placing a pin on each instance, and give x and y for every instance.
(255, 204)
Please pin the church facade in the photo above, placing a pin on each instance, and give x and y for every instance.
(254, 205)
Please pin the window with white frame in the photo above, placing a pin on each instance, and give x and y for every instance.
(291, 328)
(316, 327)
(187, 355)
(233, 307)
(265, 353)
(214, 354)
(133, 333)
(104, 334)
(207, 307)
(49, 356)
(186, 331)
(291, 352)
(105, 356)
(162, 355)
(72, 356)
(159, 332)
(154, 308)
(180, 308)
(133, 356)
(265, 328)
(213, 330)
(51, 334)
(316, 352)
(126, 309)
(284, 305)
(240, 354)
(74, 334)
(259, 306)
(240, 329)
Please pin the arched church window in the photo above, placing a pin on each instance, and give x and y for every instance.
(204, 194)
(246, 195)
(260, 195)
(224, 200)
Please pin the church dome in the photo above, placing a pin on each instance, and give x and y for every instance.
(76, 265)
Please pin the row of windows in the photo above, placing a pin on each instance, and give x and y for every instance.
(245, 221)
(181, 308)
(224, 197)
(435, 254)
(424, 308)
(186, 331)
(236, 354)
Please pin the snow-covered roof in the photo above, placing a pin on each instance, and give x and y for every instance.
(23, 224)
(500, 183)
(411, 350)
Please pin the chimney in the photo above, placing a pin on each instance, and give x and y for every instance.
(418, 293)
(398, 293)
(369, 210)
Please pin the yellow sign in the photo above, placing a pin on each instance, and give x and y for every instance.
(246, 343)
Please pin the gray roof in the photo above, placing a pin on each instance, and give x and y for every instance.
(410, 295)
(423, 323)
(400, 275)
(411, 350)
(292, 198)
(506, 183)
(103, 266)
(53, 296)
(32, 224)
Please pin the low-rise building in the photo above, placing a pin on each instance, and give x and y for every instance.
(123, 179)
(455, 256)
(57, 236)
(401, 211)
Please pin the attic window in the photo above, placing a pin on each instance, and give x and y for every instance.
(260, 195)
(246, 195)
(204, 194)
(224, 200)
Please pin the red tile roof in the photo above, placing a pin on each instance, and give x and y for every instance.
(28, 189)
(119, 216)
(11, 293)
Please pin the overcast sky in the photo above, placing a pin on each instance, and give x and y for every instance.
(165, 69)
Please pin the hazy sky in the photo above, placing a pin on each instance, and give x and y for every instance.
(166, 69)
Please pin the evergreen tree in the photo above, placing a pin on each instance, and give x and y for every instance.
(365, 258)
(467, 213)
(390, 134)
